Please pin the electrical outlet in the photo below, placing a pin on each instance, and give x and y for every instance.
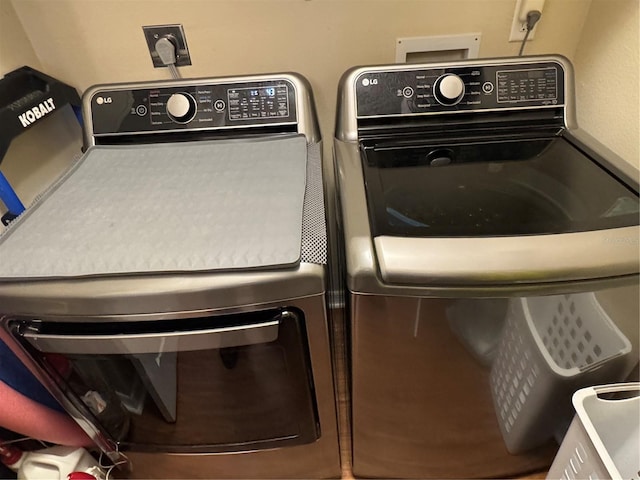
(175, 33)
(519, 23)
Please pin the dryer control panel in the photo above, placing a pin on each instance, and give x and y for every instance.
(415, 90)
(193, 107)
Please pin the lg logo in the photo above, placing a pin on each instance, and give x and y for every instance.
(103, 100)
(369, 81)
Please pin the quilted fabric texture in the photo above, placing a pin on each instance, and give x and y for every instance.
(195, 206)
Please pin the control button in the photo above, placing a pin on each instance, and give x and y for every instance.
(141, 110)
(487, 87)
(407, 92)
(219, 105)
(449, 89)
(181, 107)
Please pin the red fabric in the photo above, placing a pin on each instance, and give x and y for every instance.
(22, 415)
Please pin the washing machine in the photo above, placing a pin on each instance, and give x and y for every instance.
(491, 264)
(169, 289)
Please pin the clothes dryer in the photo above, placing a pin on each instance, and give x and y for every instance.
(169, 290)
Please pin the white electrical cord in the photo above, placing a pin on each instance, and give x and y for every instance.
(167, 51)
(109, 468)
(532, 18)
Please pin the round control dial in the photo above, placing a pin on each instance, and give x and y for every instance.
(181, 107)
(449, 89)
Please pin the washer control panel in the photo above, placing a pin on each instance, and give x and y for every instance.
(458, 88)
(193, 107)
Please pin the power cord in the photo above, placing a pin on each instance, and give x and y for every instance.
(532, 18)
(166, 49)
(109, 468)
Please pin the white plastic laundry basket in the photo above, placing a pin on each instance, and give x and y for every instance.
(550, 347)
(604, 438)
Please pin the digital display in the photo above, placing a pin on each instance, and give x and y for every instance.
(264, 92)
(258, 101)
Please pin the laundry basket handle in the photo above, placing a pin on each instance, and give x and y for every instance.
(600, 390)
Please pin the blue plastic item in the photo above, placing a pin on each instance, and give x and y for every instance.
(17, 376)
(9, 197)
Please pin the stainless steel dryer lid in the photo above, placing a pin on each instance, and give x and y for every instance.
(179, 207)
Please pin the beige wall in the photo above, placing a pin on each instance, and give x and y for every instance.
(15, 46)
(606, 64)
(101, 41)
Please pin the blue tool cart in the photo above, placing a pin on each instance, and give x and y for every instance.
(26, 97)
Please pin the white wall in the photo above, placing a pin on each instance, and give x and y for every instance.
(606, 64)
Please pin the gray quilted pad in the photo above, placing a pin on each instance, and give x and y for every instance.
(197, 206)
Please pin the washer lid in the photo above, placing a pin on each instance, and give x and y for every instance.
(178, 207)
(490, 188)
(497, 212)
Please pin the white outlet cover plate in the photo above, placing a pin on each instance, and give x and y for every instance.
(518, 28)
